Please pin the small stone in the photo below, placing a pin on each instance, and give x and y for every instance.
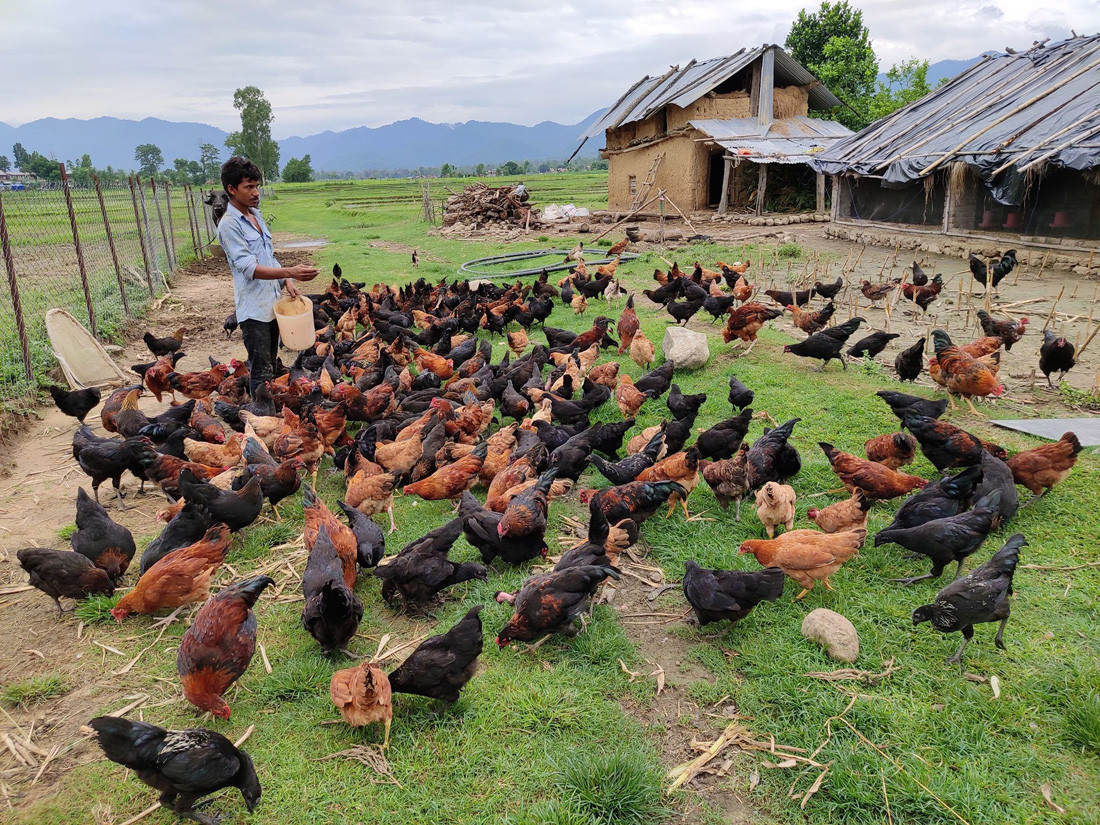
(112, 349)
(685, 348)
(833, 632)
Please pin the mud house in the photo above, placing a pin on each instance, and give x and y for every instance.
(1008, 151)
(708, 133)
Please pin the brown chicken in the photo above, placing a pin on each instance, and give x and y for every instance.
(164, 470)
(807, 556)
(894, 450)
(962, 374)
(182, 577)
(615, 249)
(200, 384)
(442, 367)
(60, 573)
(362, 694)
(742, 289)
(775, 506)
(451, 481)
(683, 468)
(1042, 468)
(878, 482)
(498, 454)
(628, 397)
(850, 514)
(299, 439)
(746, 321)
(628, 325)
(1009, 331)
(642, 351)
(214, 455)
(156, 377)
(343, 539)
(207, 425)
(108, 413)
(727, 478)
(218, 646)
(876, 292)
(516, 473)
(606, 374)
(811, 322)
(517, 342)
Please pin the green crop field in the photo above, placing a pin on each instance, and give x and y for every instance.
(563, 734)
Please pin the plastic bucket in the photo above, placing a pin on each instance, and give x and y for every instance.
(295, 319)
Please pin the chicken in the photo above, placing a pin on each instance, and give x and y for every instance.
(682, 468)
(451, 481)
(206, 424)
(684, 406)
(638, 500)
(740, 396)
(811, 322)
(939, 499)
(715, 595)
(1056, 355)
(877, 481)
(155, 376)
(317, 515)
(628, 398)
(183, 765)
(982, 596)
(60, 573)
(642, 351)
(807, 556)
(524, 520)
(131, 421)
(77, 403)
(746, 321)
(182, 577)
(775, 506)
(742, 289)
(550, 602)
(422, 569)
(627, 470)
(628, 327)
(183, 528)
(1041, 468)
(606, 374)
(370, 541)
(946, 445)
(682, 313)
(923, 295)
(1008, 332)
(997, 477)
(238, 509)
(844, 515)
(895, 450)
(102, 459)
(728, 478)
(442, 665)
(277, 480)
(946, 540)
(876, 292)
(200, 384)
(999, 270)
(772, 458)
(900, 403)
(108, 413)
(165, 470)
(362, 694)
(829, 291)
(963, 375)
(163, 346)
(872, 345)
(332, 612)
(784, 298)
(107, 545)
(372, 494)
(724, 439)
(517, 343)
(218, 646)
(827, 344)
(214, 455)
(910, 361)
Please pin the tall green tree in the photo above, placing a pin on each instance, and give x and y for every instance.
(834, 44)
(5, 164)
(149, 159)
(510, 167)
(254, 141)
(480, 170)
(298, 170)
(210, 160)
(905, 82)
(21, 156)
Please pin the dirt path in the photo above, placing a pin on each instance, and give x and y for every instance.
(37, 492)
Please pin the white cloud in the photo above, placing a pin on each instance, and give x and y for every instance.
(334, 65)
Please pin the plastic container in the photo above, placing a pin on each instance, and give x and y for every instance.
(295, 319)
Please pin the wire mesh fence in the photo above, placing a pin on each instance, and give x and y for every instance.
(102, 252)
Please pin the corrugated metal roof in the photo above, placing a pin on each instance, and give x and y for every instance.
(790, 140)
(1004, 115)
(683, 87)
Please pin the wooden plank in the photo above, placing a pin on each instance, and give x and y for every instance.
(766, 110)
(820, 206)
(723, 203)
(761, 187)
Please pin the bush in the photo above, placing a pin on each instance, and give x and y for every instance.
(614, 789)
(789, 250)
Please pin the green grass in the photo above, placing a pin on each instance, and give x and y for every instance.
(65, 533)
(544, 737)
(96, 609)
(33, 691)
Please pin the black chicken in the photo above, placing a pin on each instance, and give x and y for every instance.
(657, 380)
(826, 344)
(718, 305)
(740, 396)
(162, 346)
(77, 403)
(230, 325)
(442, 665)
(625, 471)
(422, 569)
(184, 765)
(102, 459)
(982, 596)
(872, 345)
(332, 612)
(1056, 355)
(772, 458)
(107, 544)
(944, 498)
(550, 602)
(828, 291)
(724, 439)
(910, 362)
(236, 509)
(60, 573)
(186, 527)
(682, 313)
(715, 595)
(369, 539)
(901, 403)
(638, 500)
(999, 271)
(684, 406)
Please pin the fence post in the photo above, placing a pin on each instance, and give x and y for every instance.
(148, 233)
(192, 220)
(79, 250)
(163, 231)
(13, 284)
(208, 221)
(141, 237)
(111, 244)
(171, 229)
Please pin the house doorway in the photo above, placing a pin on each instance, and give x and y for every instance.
(714, 178)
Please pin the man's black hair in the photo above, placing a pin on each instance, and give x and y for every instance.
(237, 169)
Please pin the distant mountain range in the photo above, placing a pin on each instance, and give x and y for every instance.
(406, 144)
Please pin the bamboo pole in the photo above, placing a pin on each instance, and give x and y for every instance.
(79, 251)
(1052, 308)
(111, 244)
(681, 214)
(625, 218)
(1088, 340)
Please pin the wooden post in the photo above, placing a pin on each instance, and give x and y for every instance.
(163, 231)
(192, 219)
(761, 187)
(820, 207)
(79, 250)
(141, 237)
(171, 229)
(723, 202)
(111, 244)
(13, 285)
(148, 232)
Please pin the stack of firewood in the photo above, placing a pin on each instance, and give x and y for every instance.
(479, 206)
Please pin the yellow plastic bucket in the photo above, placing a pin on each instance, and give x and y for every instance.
(295, 319)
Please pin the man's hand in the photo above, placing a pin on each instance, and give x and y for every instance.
(301, 272)
(290, 290)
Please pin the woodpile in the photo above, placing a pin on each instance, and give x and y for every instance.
(479, 206)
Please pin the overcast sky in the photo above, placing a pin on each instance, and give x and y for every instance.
(328, 65)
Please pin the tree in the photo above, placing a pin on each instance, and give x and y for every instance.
(298, 171)
(544, 168)
(480, 170)
(834, 44)
(149, 159)
(447, 171)
(41, 166)
(905, 83)
(210, 160)
(21, 156)
(510, 167)
(254, 141)
(5, 164)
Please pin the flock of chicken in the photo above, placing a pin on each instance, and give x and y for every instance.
(406, 365)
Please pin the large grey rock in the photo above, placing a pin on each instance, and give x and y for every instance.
(686, 348)
(833, 632)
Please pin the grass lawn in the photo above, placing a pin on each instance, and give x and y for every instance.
(546, 738)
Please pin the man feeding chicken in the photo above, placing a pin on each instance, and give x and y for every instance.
(258, 278)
